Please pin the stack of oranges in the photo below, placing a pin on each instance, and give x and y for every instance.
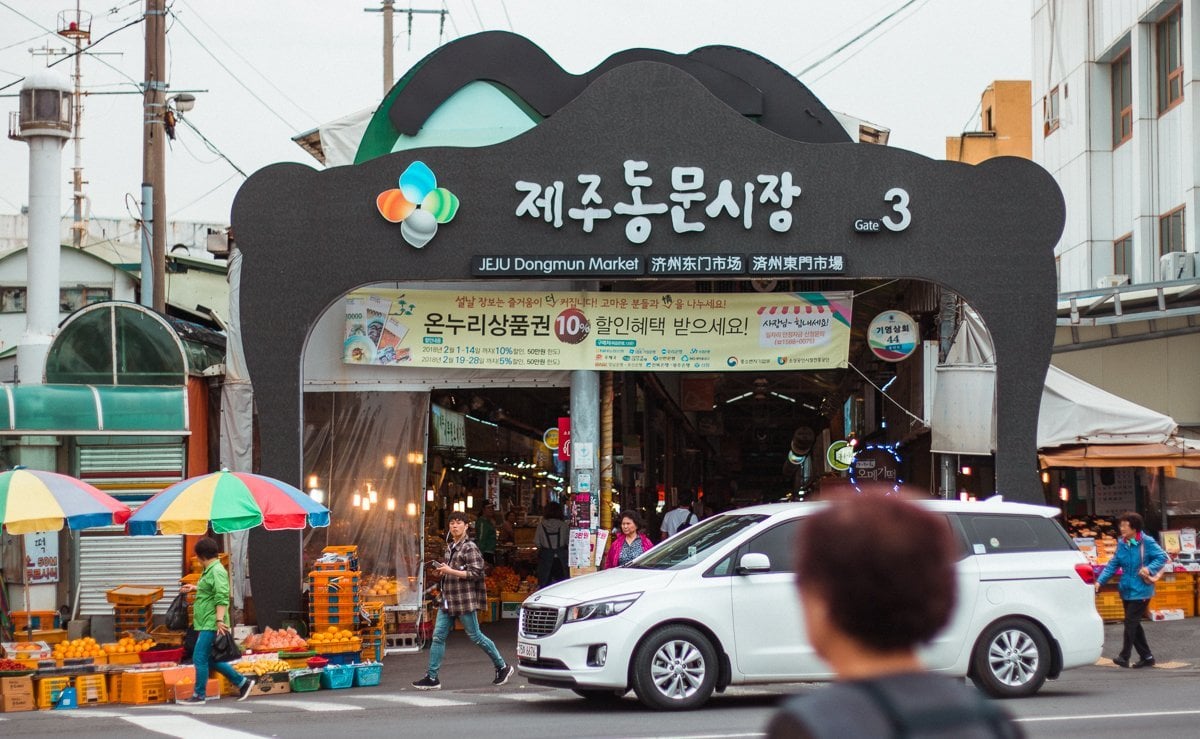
(331, 635)
(129, 645)
(77, 648)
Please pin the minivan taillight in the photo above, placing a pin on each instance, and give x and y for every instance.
(1086, 573)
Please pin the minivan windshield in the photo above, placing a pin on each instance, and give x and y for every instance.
(695, 543)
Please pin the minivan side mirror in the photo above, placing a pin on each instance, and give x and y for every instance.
(752, 562)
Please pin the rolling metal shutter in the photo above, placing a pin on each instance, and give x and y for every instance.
(131, 474)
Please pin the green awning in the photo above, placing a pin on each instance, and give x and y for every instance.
(72, 410)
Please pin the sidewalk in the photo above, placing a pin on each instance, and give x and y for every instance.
(1176, 644)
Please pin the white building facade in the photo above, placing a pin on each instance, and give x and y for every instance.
(1118, 110)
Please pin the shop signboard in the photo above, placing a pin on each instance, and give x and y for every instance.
(893, 335)
(550, 437)
(839, 455)
(682, 332)
(448, 428)
(564, 438)
(41, 558)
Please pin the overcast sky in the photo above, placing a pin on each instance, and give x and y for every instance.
(270, 69)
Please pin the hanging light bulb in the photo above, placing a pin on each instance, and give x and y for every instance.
(391, 504)
(313, 481)
(470, 501)
(317, 495)
(366, 504)
(389, 461)
(373, 494)
(429, 495)
(356, 499)
(411, 509)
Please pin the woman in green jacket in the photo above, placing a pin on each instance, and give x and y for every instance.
(210, 616)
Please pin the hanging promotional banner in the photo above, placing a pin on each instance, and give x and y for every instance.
(564, 438)
(688, 332)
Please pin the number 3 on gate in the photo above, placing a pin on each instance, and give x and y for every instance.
(898, 197)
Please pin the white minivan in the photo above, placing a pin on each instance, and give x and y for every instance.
(716, 605)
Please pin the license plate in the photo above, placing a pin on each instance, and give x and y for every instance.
(527, 651)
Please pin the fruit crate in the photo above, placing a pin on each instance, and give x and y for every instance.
(338, 599)
(304, 681)
(1184, 601)
(90, 690)
(366, 675)
(329, 583)
(337, 677)
(335, 659)
(36, 620)
(164, 637)
(336, 647)
(134, 596)
(297, 660)
(1108, 605)
(321, 621)
(143, 688)
(113, 680)
(49, 690)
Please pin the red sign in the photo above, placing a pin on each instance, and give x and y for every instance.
(564, 438)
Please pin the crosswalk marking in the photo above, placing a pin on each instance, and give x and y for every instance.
(183, 727)
(420, 701)
(316, 706)
(536, 697)
(207, 709)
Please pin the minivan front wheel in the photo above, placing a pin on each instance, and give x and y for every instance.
(675, 669)
(1011, 659)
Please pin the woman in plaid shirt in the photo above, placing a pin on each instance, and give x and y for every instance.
(462, 594)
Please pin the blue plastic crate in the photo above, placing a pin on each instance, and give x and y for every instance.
(341, 658)
(336, 677)
(367, 674)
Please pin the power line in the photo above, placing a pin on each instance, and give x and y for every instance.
(477, 16)
(18, 43)
(197, 200)
(864, 46)
(236, 79)
(507, 17)
(238, 54)
(854, 40)
(211, 146)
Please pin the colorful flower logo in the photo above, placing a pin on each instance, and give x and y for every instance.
(418, 205)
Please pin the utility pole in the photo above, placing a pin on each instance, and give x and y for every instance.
(77, 26)
(154, 175)
(388, 11)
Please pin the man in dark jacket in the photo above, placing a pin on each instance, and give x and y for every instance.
(462, 594)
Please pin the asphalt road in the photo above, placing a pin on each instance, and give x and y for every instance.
(1097, 701)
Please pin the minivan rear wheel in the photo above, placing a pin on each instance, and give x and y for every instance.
(1011, 659)
(675, 669)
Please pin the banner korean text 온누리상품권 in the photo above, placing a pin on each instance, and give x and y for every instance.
(677, 332)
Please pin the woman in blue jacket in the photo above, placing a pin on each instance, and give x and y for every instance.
(1141, 560)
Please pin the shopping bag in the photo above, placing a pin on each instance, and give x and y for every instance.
(224, 648)
(177, 613)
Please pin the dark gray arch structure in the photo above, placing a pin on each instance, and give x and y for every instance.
(986, 232)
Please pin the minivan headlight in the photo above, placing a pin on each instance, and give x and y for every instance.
(600, 608)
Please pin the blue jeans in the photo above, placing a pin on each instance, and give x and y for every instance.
(200, 657)
(441, 629)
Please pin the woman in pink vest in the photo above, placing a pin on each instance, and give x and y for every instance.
(630, 543)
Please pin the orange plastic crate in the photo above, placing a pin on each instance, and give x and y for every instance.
(1108, 605)
(40, 619)
(90, 690)
(48, 690)
(1184, 601)
(143, 688)
(134, 595)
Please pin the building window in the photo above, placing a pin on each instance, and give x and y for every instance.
(1122, 100)
(988, 123)
(71, 299)
(1170, 232)
(1169, 58)
(1123, 255)
(12, 300)
(1050, 112)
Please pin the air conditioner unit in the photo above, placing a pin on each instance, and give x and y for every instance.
(1176, 265)
(1112, 280)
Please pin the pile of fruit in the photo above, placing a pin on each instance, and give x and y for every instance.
(77, 648)
(11, 665)
(332, 635)
(502, 578)
(263, 666)
(384, 585)
(129, 645)
(272, 640)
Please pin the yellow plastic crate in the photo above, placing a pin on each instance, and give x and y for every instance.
(1184, 601)
(1108, 605)
(48, 690)
(90, 690)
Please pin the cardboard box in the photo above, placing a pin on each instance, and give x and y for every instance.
(16, 686)
(272, 683)
(1167, 614)
(17, 702)
(184, 689)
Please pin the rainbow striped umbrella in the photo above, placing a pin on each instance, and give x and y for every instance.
(36, 500)
(228, 501)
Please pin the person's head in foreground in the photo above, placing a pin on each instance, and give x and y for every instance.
(876, 580)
